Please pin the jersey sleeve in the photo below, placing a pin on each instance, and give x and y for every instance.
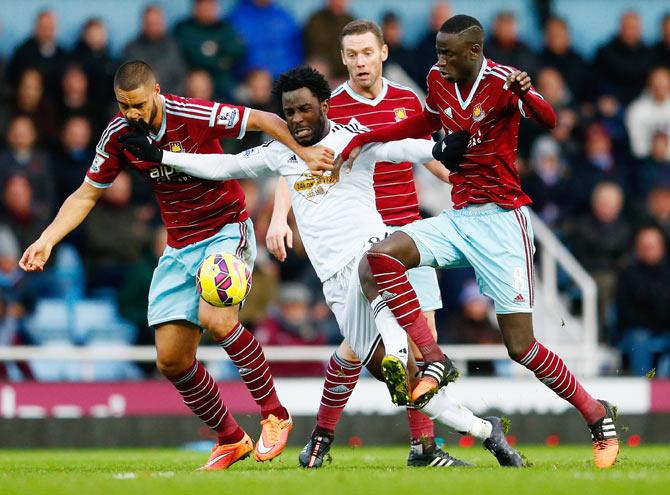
(108, 161)
(227, 121)
(252, 163)
(406, 150)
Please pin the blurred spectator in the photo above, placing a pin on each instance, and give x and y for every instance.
(29, 100)
(199, 84)
(622, 64)
(322, 35)
(75, 100)
(92, 54)
(650, 113)
(601, 239)
(547, 182)
(398, 53)
(116, 232)
(654, 170)
(559, 54)
(257, 93)
(41, 52)
(132, 295)
(504, 46)
(661, 50)
(471, 325)
(211, 44)
(18, 210)
(22, 156)
(551, 85)
(158, 49)
(643, 303)
(658, 209)
(291, 324)
(271, 35)
(424, 52)
(598, 164)
(72, 157)
(14, 301)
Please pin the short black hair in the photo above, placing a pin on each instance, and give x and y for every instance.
(459, 23)
(303, 77)
(133, 74)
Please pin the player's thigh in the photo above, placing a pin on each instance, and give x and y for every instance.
(352, 311)
(176, 345)
(436, 241)
(501, 253)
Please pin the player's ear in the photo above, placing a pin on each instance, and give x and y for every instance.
(344, 61)
(475, 51)
(157, 88)
(325, 106)
(385, 52)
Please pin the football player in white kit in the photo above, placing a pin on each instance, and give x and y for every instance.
(338, 222)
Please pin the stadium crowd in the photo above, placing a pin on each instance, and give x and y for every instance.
(600, 179)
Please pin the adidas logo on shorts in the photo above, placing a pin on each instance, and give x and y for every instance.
(519, 299)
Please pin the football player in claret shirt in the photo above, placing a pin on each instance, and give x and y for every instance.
(202, 217)
(369, 99)
(489, 228)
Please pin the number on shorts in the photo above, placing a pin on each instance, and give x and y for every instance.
(519, 281)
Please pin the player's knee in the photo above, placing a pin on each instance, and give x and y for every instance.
(367, 279)
(173, 365)
(219, 322)
(516, 348)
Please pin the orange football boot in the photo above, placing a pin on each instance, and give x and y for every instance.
(274, 435)
(223, 456)
(604, 436)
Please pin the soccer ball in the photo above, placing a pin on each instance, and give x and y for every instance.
(223, 280)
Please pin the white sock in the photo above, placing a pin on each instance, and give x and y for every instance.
(393, 335)
(456, 416)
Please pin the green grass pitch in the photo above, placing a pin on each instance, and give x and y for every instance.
(374, 470)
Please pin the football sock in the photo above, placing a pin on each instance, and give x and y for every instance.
(341, 378)
(394, 337)
(201, 394)
(552, 371)
(420, 425)
(246, 353)
(441, 408)
(395, 289)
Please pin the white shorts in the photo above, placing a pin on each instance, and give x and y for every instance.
(352, 310)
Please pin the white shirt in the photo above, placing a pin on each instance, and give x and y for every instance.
(336, 216)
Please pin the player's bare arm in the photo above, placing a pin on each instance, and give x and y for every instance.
(73, 211)
(537, 107)
(280, 236)
(317, 158)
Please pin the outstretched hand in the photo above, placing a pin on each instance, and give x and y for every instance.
(518, 83)
(319, 159)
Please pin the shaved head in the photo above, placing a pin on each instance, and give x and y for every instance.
(133, 75)
(467, 28)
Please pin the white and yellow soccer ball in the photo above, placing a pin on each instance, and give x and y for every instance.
(223, 280)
